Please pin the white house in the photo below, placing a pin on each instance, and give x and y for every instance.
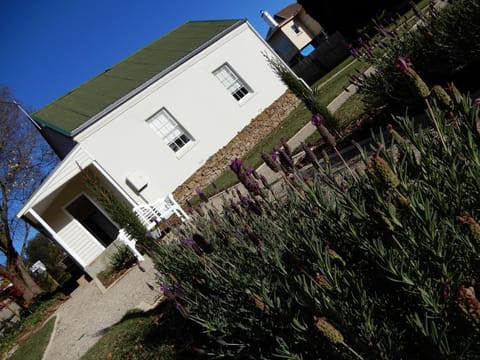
(293, 33)
(146, 124)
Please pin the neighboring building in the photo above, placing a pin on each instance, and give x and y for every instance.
(293, 33)
(9, 308)
(145, 125)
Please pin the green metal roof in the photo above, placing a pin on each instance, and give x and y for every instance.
(80, 105)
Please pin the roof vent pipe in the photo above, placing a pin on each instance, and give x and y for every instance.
(269, 19)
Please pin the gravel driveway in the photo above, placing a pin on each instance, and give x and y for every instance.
(87, 315)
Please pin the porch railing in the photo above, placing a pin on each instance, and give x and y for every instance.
(152, 214)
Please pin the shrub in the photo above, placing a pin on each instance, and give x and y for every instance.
(381, 267)
(309, 97)
(116, 207)
(121, 259)
(444, 47)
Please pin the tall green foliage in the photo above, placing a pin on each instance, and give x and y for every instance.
(309, 97)
(116, 207)
(443, 45)
(383, 267)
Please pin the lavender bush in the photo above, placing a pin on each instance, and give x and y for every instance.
(444, 46)
(382, 267)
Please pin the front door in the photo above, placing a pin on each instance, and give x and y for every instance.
(87, 214)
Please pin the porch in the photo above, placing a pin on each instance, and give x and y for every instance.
(67, 212)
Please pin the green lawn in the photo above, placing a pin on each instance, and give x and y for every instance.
(330, 85)
(36, 344)
(158, 335)
(333, 84)
(39, 311)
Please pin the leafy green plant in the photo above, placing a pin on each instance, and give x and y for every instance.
(121, 259)
(116, 207)
(384, 266)
(444, 46)
(309, 96)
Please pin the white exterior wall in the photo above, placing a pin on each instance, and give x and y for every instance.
(301, 39)
(123, 142)
(76, 238)
(81, 242)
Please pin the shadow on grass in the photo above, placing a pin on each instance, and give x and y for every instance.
(157, 334)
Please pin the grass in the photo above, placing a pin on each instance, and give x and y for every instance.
(39, 311)
(337, 80)
(331, 85)
(334, 82)
(161, 335)
(35, 346)
(349, 112)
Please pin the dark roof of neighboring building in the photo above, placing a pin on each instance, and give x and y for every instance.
(287, 13)
(283, 16)
(82, 106)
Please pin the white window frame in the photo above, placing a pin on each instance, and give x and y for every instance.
(234, 84)
(170, 130)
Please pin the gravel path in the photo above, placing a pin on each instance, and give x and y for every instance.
(89, 313)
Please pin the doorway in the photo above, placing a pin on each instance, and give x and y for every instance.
(95, 221)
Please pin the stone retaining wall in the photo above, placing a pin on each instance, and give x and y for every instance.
(238, 147)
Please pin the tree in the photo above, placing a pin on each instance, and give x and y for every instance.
(24, 160)
(43, 249)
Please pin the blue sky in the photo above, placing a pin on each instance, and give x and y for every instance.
(51, 46)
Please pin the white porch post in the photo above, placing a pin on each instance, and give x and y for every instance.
(57, 238)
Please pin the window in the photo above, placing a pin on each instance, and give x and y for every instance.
(169, 129)
(231, 81)
(296, 29)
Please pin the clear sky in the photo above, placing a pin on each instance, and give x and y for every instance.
(49, 47)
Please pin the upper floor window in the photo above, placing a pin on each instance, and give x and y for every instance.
(165, 125)
(232, 82)
(296, 29)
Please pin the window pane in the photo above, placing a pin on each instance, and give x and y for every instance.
(169, 129)
(231, 81)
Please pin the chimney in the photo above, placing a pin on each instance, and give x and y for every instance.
(269, 19)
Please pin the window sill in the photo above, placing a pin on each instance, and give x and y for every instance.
(185, 149)
(246, 99)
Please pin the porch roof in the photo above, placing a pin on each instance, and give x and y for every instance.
(82, 106)
(77, 160)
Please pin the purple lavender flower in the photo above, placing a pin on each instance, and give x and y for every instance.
(181, 309)
(202, 195)
(317, 119)
(310, 155)
(286, 160)
(270, 161)
(285, 146)
(164, 289)
(250, 183)
(236, 166)
(404, 65)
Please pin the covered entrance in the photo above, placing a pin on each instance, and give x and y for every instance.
(91, 218)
